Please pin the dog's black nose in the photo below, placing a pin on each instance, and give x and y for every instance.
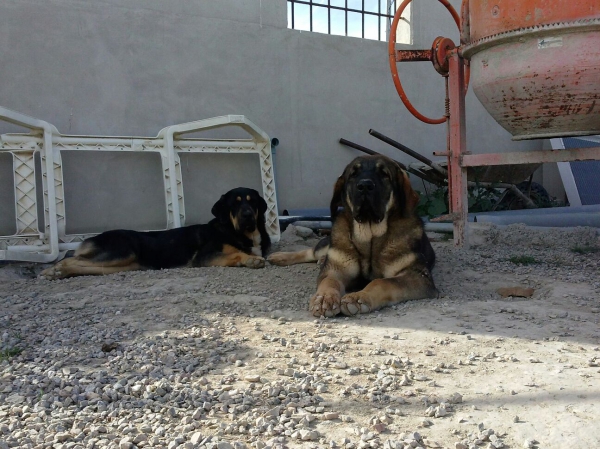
(365, 185)
(247, 213)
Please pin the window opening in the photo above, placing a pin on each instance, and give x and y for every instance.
(367, 19)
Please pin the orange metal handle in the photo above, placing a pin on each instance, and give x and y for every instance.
(413, 55)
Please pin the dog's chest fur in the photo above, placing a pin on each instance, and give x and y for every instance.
(256, 243)
(384, 249)
(369, 240)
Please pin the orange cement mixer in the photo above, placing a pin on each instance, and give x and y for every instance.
(535, 67)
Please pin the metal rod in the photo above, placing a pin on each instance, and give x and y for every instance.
(408, 151)
(413, 55)
(358, 147)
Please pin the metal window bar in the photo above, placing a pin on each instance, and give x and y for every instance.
(388, 14)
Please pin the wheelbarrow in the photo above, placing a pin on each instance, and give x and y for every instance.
(516, 181)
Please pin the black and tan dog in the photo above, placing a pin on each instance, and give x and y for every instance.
(377, 249)
(237, 237)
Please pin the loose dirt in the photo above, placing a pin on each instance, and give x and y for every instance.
(469, 369)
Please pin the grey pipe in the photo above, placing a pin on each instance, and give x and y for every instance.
(560, 220)
(313, 224)
(274, 145)
(432, 227)
(544, 211)
(439, 227)
(323, 212)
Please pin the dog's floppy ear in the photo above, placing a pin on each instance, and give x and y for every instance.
(338, 192)
(262, 205)
(220, 210)
(406, 193)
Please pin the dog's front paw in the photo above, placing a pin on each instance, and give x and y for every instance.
(255, 262)
(51, 273)
(355, 303)
(325, 304)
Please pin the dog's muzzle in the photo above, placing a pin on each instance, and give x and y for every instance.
(365, 186)
(366, 207)
(247, 219)
(366, 212)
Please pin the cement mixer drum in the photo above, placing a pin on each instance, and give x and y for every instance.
(535, 64)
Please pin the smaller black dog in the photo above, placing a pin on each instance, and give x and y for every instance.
(237, 237)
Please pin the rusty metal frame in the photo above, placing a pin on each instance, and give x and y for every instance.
(457, 147)
(459, 158)
(527, 157)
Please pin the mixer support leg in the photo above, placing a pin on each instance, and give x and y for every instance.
(458, 146)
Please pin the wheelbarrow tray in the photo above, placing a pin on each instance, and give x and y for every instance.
(509, 174)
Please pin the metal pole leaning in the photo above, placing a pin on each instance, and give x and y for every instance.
(366, 150)
(357, 147)
(441, 170)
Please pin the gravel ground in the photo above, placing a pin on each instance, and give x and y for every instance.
(223, 358)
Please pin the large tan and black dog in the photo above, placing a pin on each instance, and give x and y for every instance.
(237, 237)
(377, 249)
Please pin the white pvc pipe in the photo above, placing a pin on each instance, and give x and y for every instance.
(129, 144)
(35, 248)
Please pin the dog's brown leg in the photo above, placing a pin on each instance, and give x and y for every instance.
(80, 266)
(315, 254)
(291, 258)
(411, 284)
(233, 257)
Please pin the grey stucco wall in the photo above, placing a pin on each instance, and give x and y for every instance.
(131, 67)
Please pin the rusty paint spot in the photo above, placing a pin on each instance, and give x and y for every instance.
(413, 55)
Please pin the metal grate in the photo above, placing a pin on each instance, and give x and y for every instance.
(368, 19)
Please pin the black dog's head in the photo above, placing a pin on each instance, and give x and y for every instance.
(242, 207)
(370, 187)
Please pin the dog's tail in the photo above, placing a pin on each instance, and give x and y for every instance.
(316, 254)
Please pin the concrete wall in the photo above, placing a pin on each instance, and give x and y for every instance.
(131, 67)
